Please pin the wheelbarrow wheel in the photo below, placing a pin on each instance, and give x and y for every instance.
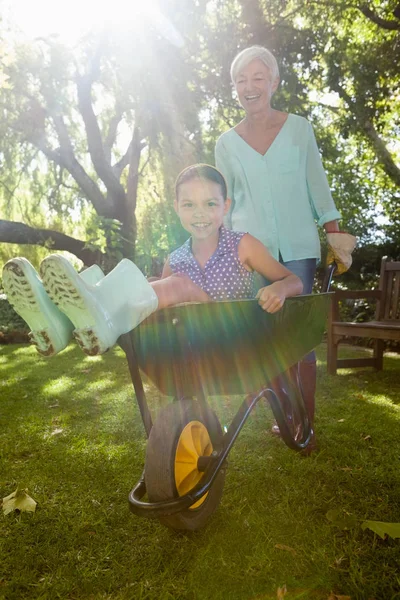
(183, 432)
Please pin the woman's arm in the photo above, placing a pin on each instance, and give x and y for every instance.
(322, 204)
(255, 257)
(331, 227)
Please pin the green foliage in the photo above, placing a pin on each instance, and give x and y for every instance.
(9, 319)
(347, 521)
(159, 228)
(384, 530)
(339, 67)
(105, 235)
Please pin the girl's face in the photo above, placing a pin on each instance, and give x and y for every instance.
(254, 86)
(201, 208)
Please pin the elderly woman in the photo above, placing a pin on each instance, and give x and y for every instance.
(276, 180)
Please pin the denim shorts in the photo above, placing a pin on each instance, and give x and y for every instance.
(305, 270)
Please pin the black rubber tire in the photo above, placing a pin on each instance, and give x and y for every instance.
(160, 461)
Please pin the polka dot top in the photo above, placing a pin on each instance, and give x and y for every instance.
(223, 276)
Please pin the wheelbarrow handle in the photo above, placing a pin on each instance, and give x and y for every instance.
(329, 271)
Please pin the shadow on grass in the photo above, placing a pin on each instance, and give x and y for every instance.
(385, 382)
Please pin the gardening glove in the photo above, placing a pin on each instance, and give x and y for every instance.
(340, 247)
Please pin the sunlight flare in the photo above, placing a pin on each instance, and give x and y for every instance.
(43, 18)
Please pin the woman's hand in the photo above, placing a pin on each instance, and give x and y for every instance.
(340, 248)
(272, 297)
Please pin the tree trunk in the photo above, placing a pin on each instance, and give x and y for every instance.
(12, 232)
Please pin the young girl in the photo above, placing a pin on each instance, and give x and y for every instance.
(214, 264)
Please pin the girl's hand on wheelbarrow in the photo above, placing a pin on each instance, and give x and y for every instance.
(272, 297)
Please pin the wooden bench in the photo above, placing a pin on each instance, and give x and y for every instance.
(385, 326)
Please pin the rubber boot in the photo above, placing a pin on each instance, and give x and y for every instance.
(308, 380)
(307, 372)
(92, 274)
(102, 312)
(281, 386)
(51, 330)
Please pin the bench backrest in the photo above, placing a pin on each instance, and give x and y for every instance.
(388, 306)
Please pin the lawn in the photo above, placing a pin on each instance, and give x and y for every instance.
(72, 435)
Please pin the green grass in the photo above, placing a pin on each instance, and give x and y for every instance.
(71, 433)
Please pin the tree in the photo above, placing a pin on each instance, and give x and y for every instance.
(80, 126)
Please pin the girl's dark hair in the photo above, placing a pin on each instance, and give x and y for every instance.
(201, 171)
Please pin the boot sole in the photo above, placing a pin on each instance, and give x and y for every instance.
(35, 308)
(70, 293)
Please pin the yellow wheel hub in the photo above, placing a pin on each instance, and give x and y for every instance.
(193, 442)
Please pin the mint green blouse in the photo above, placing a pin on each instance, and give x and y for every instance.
(281, 196)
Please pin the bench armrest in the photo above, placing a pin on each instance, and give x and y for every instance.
(357, 294)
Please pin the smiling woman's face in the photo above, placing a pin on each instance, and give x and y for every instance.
(254, 86)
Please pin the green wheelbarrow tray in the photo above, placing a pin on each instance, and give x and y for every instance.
(230, 347)
(192, 351)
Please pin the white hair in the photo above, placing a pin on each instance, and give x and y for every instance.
(245, 57)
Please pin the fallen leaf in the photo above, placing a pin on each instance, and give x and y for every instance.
(284, 547)
(383, 529)
(367, 437)
(57, 431)
(18, 500)
(341, 420)
(340, 519)
(350, 469)
(281, 592)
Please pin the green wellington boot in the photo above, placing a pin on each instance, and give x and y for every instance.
(102, 312)
(51, 330)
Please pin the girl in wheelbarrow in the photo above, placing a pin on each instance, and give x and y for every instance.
(214, 264)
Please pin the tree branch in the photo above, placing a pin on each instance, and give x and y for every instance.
(383, 154)
(391, 25)
(12, 232)
(367, 128)
(65, 157)
(112, 133)
(133, 175)
(125, 159)
(95, 143)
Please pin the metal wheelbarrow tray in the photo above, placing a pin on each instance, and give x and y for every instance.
(192, 351)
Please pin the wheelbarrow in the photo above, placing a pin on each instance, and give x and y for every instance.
(192, 351)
